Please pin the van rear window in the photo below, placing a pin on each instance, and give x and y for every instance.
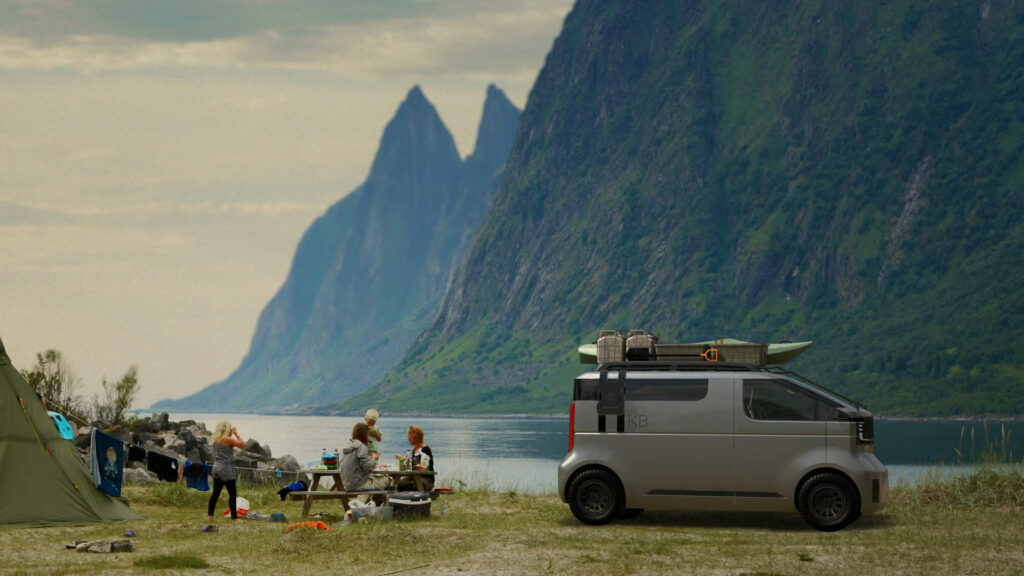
(666, 390)
(585, 389)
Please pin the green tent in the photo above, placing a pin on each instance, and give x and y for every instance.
(43, 481)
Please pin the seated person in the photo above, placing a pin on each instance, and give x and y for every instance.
(356, 463)
(422, 459)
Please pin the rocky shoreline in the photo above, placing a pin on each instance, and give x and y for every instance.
(188, 439)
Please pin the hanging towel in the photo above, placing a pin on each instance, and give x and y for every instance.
(136, 453)
(197, 476)
(107, 462)
(165, 467)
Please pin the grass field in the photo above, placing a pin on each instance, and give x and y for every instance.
(970, 525)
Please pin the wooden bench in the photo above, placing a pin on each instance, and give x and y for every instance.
(309, 495)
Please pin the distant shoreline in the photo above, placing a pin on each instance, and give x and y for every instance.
(979, 418)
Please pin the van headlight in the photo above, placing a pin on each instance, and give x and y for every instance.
(865, 430)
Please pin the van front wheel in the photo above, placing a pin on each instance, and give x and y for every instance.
(828, 502)
(595, 497)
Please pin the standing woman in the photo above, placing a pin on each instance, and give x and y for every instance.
(225, 439)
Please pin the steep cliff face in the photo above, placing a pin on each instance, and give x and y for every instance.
(369, 275)
(847, 173)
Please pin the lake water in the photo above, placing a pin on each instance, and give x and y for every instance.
(523, 454)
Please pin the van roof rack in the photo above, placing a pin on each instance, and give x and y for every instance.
(680, 365)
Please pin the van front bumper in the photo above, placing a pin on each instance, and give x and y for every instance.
(874, 490)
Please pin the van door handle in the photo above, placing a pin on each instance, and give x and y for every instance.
(747, 430)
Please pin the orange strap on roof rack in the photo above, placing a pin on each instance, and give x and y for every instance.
(711, 355)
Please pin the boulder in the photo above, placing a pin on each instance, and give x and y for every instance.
(245, 459)
(251, 445)
(288, 463)
(138, 476)
(142, 426)
(83, 439)
(200, 453)
(262, 453)
(161, 450)
(176, 445)
(160, 421)
(122, 433)
(187, 436)
(141, 437)
(158, 441)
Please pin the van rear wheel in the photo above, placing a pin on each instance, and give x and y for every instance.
(828, 502)
(595, 497)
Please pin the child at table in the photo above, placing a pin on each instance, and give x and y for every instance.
(371, 422)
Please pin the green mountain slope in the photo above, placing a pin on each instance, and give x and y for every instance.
(848, 173)
(369, 275)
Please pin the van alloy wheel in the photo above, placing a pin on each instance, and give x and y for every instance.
(828, 501)
(595, 497)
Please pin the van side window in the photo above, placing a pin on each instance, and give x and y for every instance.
(666, 390)
(780, 400)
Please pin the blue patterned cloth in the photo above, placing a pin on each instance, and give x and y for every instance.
(107, 462)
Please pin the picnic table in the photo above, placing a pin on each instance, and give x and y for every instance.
(418, 477)
(337, 490)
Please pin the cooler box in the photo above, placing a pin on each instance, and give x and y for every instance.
(410, 504)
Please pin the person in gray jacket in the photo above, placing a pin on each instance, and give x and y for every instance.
(356, 463)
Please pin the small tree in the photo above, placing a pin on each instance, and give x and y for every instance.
(53, 379)
(118, 397)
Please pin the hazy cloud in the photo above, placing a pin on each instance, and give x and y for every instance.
(161, 160)
(357, 38)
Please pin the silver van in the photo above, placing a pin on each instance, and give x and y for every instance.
(717, 436)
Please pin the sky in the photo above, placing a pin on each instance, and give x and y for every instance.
(159, 161)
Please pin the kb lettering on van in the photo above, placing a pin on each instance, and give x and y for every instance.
(637, 421)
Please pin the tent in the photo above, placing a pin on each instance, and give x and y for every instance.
(43, 481)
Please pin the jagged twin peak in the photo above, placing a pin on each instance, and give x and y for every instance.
(369, 274)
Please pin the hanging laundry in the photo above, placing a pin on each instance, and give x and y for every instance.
(107, 462)
(165, 467)
(197, 475)
(136, 453)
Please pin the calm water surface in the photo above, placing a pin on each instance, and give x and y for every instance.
(523, 455)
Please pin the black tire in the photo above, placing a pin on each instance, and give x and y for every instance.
(828, 501)
(595, 497)
(629, 513)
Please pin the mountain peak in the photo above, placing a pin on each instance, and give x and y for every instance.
(497, 128)
(417, 135)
